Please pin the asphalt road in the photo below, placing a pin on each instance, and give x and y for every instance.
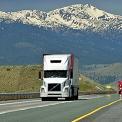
(51, 111)
(114, 114)
(109, 114)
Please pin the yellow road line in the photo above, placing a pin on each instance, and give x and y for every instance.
(94, 111)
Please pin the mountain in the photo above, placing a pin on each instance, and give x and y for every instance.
(93, 35)
(75, 16)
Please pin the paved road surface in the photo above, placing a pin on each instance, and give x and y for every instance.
(110, 114)
(17, 105)
(51, 111)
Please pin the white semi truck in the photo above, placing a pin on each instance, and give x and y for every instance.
(60, 77)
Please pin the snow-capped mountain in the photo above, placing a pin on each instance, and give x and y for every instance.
(75, 16)
(93, 35)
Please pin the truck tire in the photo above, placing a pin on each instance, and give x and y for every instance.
(49, 99)
(67, 98)
(76, 97)
(44, 99)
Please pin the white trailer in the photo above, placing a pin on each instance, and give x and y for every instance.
(60, 77)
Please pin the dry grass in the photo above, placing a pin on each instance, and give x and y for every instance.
(87, 84)
(26, 79)
(20, 78)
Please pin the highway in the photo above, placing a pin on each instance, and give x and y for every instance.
(35, 110)
(110, 114)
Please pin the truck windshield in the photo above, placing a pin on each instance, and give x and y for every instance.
(55, 73)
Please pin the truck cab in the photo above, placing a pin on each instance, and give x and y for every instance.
(60, 77)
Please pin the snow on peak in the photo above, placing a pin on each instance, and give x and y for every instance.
(75, 16)
(80, 17)
(85, 9)
(34, 17)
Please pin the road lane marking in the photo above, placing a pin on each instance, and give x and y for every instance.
(88, 97)
(94, 111)
(39, 100)
(12, 103)
(39, 106)
(27, 108)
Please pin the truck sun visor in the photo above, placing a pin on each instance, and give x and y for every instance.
(55, 61)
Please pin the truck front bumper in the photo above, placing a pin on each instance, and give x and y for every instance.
(59, 94)
(54, 94)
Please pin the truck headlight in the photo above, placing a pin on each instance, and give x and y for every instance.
(66, 90)
(42, 90)
(66, 83)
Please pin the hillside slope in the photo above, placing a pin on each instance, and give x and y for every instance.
(104, 73)
(25, 79)
(87, 84)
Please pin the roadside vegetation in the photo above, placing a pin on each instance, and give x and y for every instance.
(19, 78)
(26, 79)
(103, 73)
(87, 84)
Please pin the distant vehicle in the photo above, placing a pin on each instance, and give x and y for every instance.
(60, 77)
(120, 88)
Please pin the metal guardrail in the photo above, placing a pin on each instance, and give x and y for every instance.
(16, 96)
(96, 92)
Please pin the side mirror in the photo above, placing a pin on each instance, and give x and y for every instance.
(40, 75)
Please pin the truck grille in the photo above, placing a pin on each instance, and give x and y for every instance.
(54, 87)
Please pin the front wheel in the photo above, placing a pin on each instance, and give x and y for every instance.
(68, 98)
(49, 99)
(44, 99)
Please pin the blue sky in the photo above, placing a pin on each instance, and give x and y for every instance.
(112, 6)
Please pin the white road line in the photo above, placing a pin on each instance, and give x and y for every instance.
(29, 101)
(12, 103)
(40, 106)
(81, 97)
(26, 108)
(87, 97)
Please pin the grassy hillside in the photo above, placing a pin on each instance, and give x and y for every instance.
(19, 78)
(87, 84)
(105, 73)
(25, 79)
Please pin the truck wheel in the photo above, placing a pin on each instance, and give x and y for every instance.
(44, 99)
(76, 97)
(67, 98)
